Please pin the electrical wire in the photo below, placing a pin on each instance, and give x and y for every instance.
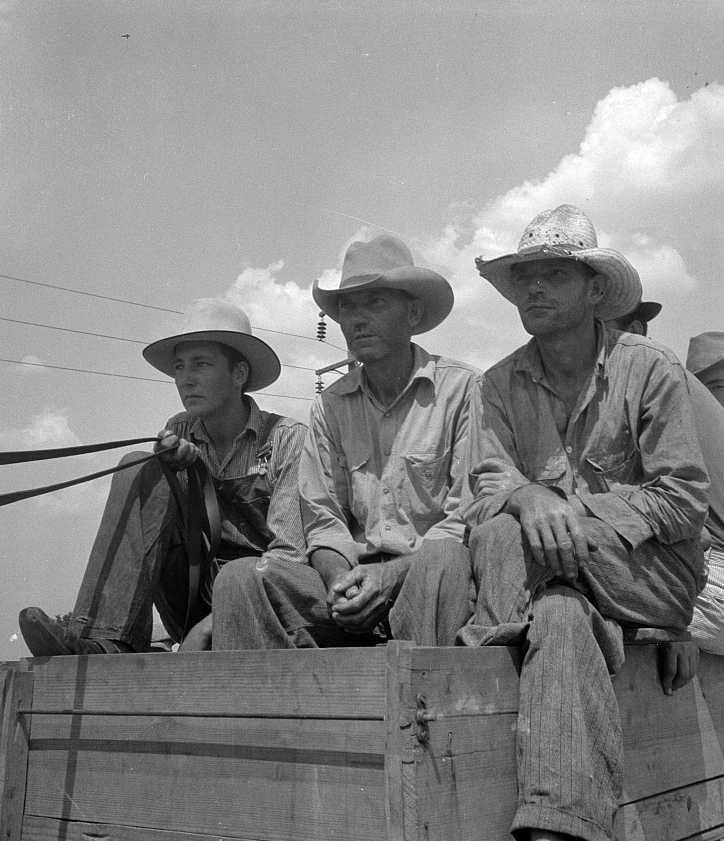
(107, 336)
(145, 306)
(123, 376)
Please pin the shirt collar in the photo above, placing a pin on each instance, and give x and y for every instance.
(423, 368)
(530, 362)
(253, 425)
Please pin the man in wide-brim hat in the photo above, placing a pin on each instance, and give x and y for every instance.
(139, 556)
(705, 360)
(377, 477)
(588, 520)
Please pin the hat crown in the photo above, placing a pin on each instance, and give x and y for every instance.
(376, 257)
(565, 226)
(211, 314)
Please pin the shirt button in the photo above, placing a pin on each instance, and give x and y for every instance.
(388, 527)
(385, 490)
(569, 449)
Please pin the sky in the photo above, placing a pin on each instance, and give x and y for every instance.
(235, 149)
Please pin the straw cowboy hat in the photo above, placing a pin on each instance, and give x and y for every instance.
(386, 263)
(567, 233)
(210, 320)
(705, 350)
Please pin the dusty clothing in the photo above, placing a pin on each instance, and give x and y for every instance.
(138, 556)
(378, 478)
(628, 452)
(289, 609)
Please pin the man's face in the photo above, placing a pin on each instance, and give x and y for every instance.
(378, 323)
(206, 382)
(553, 296)
(713, 379)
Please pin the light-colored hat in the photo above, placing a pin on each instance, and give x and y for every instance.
(211, 320)
(567, 233)
(705, 350)
(386, 263)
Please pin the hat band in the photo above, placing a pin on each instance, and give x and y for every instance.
(564, 249)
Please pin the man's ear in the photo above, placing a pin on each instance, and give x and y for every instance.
(597, 289)
(415, 312)
(240, 373)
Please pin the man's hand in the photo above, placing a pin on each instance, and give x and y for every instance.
(678, 663)
(552, 527)
(360, 598)
(493, 475)
(199, 637)
(177, 453)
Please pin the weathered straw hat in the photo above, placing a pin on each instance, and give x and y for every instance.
(567, 233)
(386, 263)
(211, 320)
(705, 350)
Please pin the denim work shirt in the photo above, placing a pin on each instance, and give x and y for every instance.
(283, 516)
(630, 449)
(378, 479)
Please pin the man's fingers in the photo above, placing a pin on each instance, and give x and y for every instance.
(668, 668)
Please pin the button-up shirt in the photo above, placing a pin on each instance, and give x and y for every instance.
(378, 479)
(629, 449)
(709, 417)
(287, 438)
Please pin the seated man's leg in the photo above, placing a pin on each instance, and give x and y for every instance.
(707, 624)
(113, 610)
(276, 604)
(437, 596)
(569, 749)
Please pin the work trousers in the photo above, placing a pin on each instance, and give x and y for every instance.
(138, 559)
(281, 604)
(569, 747)
(707, 626)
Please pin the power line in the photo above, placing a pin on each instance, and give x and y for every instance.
(146, 306)
(122, 376)
(107, 336)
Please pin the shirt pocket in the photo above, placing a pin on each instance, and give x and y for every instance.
(613, 468)
(359, 486)
(426, 482)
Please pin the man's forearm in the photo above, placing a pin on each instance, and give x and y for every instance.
(329, 563)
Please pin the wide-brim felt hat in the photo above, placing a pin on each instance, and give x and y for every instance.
(386, 263)
(211, 320)
(647, 310)
(705, 350)
(567, 233)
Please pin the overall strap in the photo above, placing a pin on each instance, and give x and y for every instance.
(264, 444)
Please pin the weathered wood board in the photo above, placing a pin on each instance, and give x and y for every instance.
(397, 742)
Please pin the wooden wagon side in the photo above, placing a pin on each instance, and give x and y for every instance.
(398, 742)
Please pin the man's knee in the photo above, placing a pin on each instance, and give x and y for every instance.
(238, 577)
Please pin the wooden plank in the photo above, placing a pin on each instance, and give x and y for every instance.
(49, 829)
(470, 681)
(343, 682)
(669, 741)
(400, 744)
(17, 692)
(240, 797)
(684, 813)
(467, 779)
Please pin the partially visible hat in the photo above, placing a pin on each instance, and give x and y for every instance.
(567, 233)
(386, 263)
(211, 320)
(705, 350)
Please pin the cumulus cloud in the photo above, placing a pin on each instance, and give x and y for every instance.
(7, 9)
(50, 428)
(32, 365)
(647, 162)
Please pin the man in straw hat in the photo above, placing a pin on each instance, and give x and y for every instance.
(602, 531)
(138, 557)
(381, 457)
(707, 624)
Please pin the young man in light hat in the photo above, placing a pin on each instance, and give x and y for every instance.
(707, 625)
(382, 454)
(601, 533)
(705, 359)
(139, 556)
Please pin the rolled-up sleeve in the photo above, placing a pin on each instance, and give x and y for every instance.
(323, 512)
(284, 515)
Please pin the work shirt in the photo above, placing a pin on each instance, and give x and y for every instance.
(378, 479)
(629, 449)
(280, 469)
(709, 418)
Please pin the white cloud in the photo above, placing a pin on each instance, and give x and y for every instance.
(33, 365)
(48, 429)
(7, 9)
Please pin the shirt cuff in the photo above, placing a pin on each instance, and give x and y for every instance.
(617, 513)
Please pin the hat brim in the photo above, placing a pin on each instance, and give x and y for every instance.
(426, 285)
(622, 291)
(264, 365)
(647, 310)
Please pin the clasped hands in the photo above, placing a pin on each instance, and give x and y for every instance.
(360, 598)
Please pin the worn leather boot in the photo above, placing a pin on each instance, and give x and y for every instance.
(46, 637)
